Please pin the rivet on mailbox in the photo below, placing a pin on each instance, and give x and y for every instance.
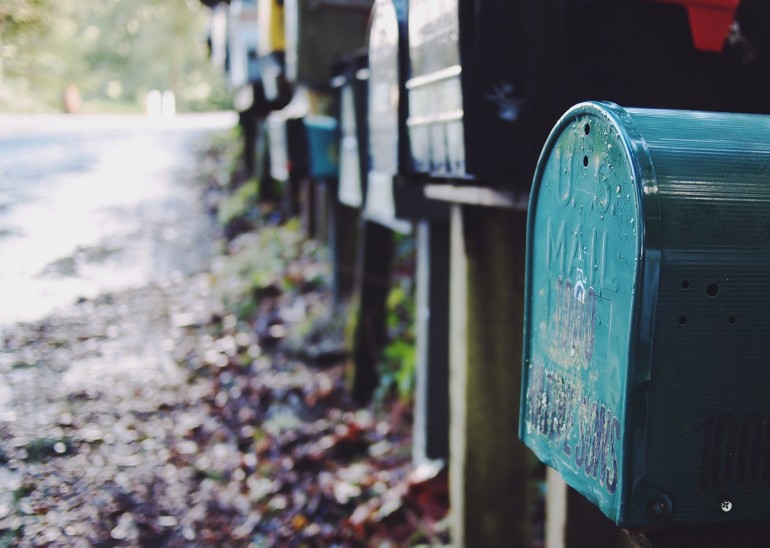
(647, 310)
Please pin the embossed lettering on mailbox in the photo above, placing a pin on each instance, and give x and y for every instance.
(583, 251)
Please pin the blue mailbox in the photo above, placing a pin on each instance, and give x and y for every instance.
(647, 309)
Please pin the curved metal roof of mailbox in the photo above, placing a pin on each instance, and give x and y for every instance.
(648, 239)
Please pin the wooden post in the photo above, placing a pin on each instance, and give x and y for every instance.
(322, 206)
(490, 469)
(376, 249)
(307, 210)
(431, 420)
(343, 244)
(247, 121)
(555, 510)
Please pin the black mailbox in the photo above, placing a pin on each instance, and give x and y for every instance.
(467, 86)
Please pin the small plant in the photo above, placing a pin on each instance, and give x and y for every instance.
(239, 212)
(267, 263)
(399, 357)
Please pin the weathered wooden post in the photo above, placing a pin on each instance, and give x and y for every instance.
(644, 383)
(491, 489)
(394, 202)
(431, 414)
(466, 127)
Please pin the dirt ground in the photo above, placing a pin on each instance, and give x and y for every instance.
(162, 416)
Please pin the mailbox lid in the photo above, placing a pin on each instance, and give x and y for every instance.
(585, 303)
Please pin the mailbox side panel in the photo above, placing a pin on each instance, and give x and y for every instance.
(708, 427)
(583, 267)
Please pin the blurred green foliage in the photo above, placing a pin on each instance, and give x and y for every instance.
(398, 363)
(241, 204)
(113, 51)
(272, 260)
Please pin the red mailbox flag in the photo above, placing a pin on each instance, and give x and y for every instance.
(710, 21)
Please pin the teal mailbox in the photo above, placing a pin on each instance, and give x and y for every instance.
(646, 379)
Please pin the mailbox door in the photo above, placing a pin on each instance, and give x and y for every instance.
(279, 155)
(350, 191)
(466, 104)
(435, 89)
(584, 282)
(354, 153)
(386, 108)
(322, 146)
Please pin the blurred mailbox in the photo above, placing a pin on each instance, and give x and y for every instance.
(352, 82)
(322, 145)
(465, 104)
(271, 47)
(288, 145)
(318, 32)
(646, 313)
(242, 43)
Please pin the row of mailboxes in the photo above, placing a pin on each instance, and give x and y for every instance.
(233, 41)
(486, 79)
(647, 310)
(242, 42)
(283, 42)
(390, 198)
(302, 145)
(271, 50)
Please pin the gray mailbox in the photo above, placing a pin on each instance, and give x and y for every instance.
(318, 33)
(647, 309)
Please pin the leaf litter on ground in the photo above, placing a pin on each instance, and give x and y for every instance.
(207, 410)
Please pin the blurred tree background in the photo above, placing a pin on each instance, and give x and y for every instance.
(114, 51)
